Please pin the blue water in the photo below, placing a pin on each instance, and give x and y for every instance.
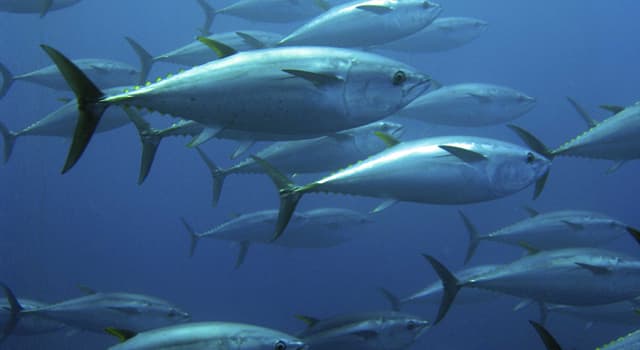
(94, 226)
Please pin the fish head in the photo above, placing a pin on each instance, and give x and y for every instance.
(400, 331)
(377, 87)
(513, 168)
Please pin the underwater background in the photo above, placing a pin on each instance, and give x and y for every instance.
(94, 226)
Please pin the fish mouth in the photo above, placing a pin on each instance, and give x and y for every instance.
(398, 131)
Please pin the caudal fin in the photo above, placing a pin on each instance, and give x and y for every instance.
(192, 234)
(535, 144)
(217, 175)
(9, 139)
(549, 341)
(209, 16)
(474, 237)
(150, 142)
(89, 106)
(451, 286)
(290, 195)
(14, 312)
(146, 59)
(7, 80)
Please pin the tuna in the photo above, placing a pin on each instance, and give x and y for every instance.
(41, 7)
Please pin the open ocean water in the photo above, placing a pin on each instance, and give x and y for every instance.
(94, 226)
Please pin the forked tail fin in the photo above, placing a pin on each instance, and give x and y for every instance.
(9, 139)
(146, 60)
(474, 236)
(89, 105)
(14, 312)
(7, 80)
(451, 286)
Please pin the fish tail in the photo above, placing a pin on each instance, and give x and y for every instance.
(193, 235)
(393, 300)
(451, 286)
(146, 60)
(7, 80)
(535, 144)
(474, 236)
(549, 341)
(9, 138)
(90, 106)
(217, 175)
(150, 139)
(209, 16)
(290, 195)
(14, 312)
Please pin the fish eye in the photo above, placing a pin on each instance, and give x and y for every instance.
(399, 77)
(530, 157)
(411, 325)
(280, 345)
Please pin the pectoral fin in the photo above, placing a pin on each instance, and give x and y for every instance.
(317, 79)
(377, 9)
(596, 270)
(532, 212)
(464, 154)
(121, 334)
(480, 98)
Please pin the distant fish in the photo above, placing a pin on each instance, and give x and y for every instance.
(41, 7)
(61, 123)
(308, 91)
(624, 313)
(432, 294)
(574, 276)
(363, 331)
(197, 53)
(274, 11)
(327, 153)
(207, 336)
(365, 23)
(469, 105)
(438, 170)
(97, 311)
(319, 228)
(29, 324)
(616, 138)
(445, 33)
(105, 74)
(554, 230)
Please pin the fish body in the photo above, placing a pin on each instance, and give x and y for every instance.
(445, 33)
(371, 331)
(630, 341)
(98, 311)
(469, 105)
(211, 335)
(35, 6)
(274, 11)
(104, 73)
(196, 53)
(365, 23)
(250, 91)
(624, 312)
(30, 324)
(432, 294)
(615, 138)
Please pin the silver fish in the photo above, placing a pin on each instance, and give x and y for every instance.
(575, 276)
(97, 311)
(363, 331)
(554, 230)
(469, 105)
(326, 153)
(41, 7)
(445, 33)
(310, 90)
(104, 73)
(365, 23)
(61, 123)
(624, 312)
(439, 170)
(208, 335)
(318, 228)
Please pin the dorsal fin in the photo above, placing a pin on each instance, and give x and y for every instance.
(222, 50)
(583, 113)
(121, 334)
(317, 79)
(87, 290)
(389, 140)
(310, 321)
(531, 250)
(532, 212)
(596, 270)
